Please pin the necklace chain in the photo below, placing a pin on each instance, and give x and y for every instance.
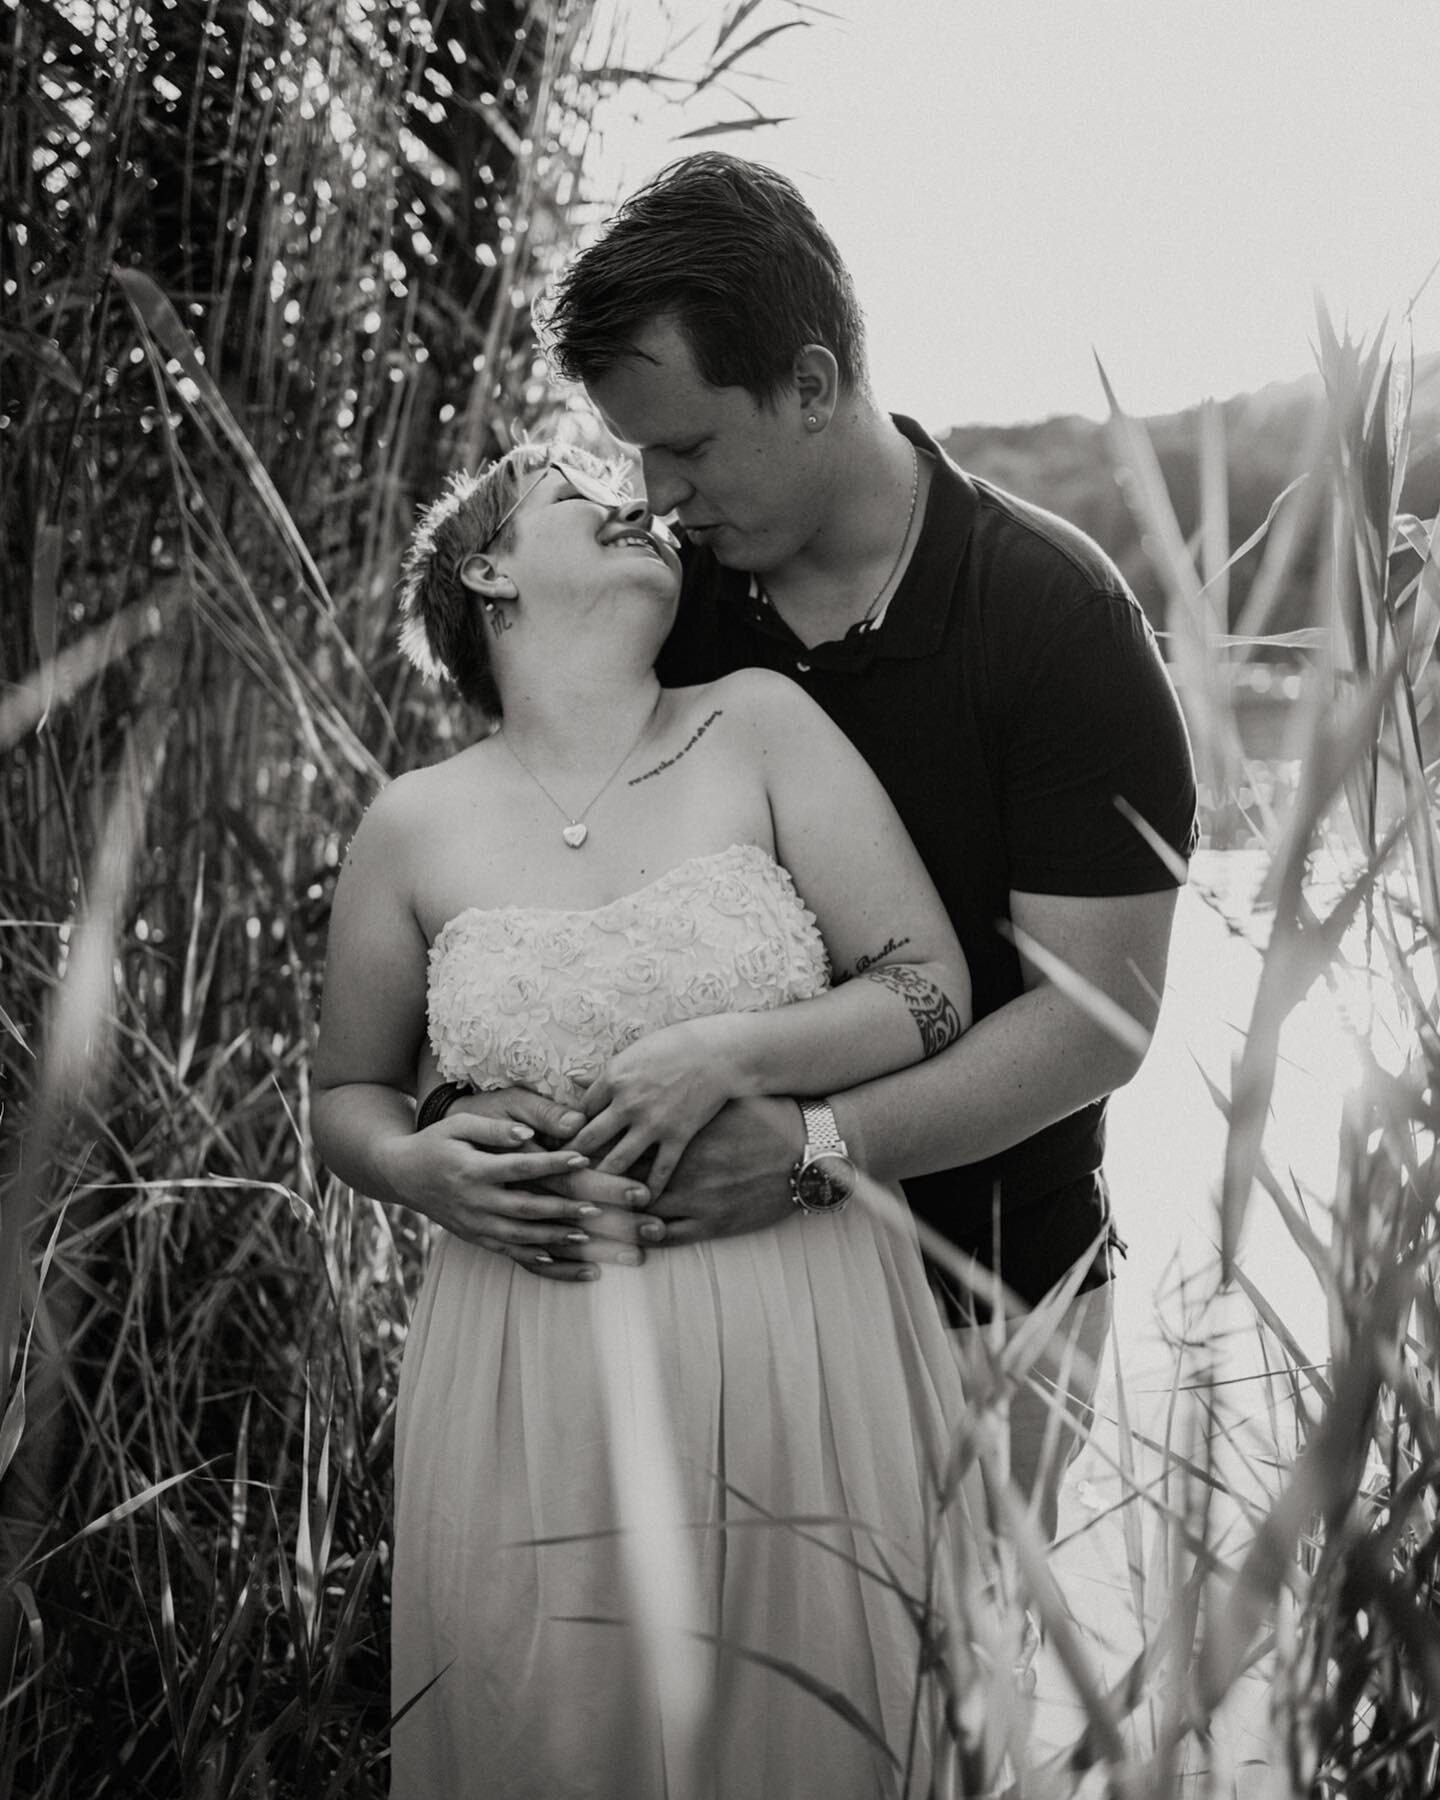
(868, 619)
(868, 616)
(576, 831)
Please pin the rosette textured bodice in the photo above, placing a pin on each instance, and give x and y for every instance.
(543, 997)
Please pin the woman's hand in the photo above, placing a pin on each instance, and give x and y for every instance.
(479, 1178)
(658, 1092)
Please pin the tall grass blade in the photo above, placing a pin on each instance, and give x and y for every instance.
(830, 1697)
(44, 602)
(1091, 1000)
(70, 670)
(183, 361)
(1298, 952)
(115, 1515)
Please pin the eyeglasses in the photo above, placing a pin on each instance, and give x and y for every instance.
(589, 487)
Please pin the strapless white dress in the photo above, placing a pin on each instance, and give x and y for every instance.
(593, 1480)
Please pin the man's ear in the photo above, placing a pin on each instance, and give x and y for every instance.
(817, 385)
(481, 576)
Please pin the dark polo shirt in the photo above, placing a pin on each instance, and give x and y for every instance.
(1011, 691)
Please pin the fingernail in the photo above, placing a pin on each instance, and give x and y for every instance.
(576, 1161)
(637, 1196)
(589, 1273)
(577, 1237)
(540, 1256)
(586, 1211)
(571, 1121)
(653, 1232)
(520, 1133)
(631, 1258)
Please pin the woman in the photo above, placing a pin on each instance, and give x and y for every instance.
(596, 901)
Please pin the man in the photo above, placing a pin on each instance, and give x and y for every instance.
(991, 665)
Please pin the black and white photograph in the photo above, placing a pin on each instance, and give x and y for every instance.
(719, 899)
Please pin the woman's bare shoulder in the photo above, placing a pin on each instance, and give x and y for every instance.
(755, 693)
(411, 806)
(776, 709)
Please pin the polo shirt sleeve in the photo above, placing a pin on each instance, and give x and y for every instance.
(1090, 715)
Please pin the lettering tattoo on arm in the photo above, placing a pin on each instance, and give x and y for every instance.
(934, 1013)
(862, 963)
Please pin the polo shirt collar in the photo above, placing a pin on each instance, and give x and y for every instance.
(919, 611)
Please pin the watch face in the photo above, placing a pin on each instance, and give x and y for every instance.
(825, 1182)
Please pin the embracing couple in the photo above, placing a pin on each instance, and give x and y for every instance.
(711, 943)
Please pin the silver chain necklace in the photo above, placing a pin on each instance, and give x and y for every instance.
(576, 830)
(868, 616)
(867, 620)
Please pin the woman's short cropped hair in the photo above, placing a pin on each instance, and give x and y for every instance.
(729, 250)
(442, 622)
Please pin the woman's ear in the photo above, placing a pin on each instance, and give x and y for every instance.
(817, 385)
(481, 576)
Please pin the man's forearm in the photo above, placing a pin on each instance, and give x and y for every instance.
(1036, 1060)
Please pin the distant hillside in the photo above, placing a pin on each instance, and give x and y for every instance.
(1065, 464)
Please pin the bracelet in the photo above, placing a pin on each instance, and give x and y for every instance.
(439, 1101)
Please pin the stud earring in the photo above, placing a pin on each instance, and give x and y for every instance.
(811, 421)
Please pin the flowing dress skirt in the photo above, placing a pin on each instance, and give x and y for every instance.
(606, 1489)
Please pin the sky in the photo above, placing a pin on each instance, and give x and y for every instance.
(1022, 186)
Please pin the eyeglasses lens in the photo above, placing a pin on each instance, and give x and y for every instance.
(589, 487)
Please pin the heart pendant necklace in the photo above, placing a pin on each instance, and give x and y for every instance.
(576, 830)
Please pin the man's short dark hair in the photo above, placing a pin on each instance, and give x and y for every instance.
(730, 251)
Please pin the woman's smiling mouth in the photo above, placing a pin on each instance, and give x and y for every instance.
(636, 537)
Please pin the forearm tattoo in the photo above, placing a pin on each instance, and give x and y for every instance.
(934, 1013)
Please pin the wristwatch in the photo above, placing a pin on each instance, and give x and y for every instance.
(824, 1178)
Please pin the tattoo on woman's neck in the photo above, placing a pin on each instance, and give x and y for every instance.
(934, 1013)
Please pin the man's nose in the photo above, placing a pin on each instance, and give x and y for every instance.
(663, 488)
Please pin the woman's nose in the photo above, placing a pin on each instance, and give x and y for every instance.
(632, 512)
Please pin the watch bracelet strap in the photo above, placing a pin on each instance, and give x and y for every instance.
(438, 1102)
(821, 1130)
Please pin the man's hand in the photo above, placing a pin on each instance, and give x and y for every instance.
(571, 1218)
(735, 1175)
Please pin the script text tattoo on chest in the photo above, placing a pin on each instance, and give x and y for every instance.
(933, 1011)
(689, 744)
